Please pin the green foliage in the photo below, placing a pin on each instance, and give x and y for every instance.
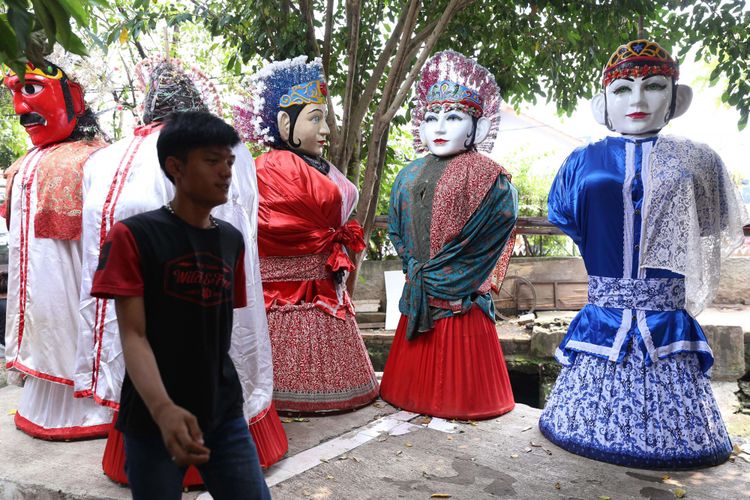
(400, 151)
(29, 29)
(533, 184)
(12, 135)
(549, 49)
(721, 31)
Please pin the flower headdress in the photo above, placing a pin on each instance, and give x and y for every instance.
(450, 80)
(279, 85)
(170, 86)
(639, 58)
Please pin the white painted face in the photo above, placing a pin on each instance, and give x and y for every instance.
(446, 133)
(639, 106)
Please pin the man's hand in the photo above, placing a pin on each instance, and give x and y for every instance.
(181, 434)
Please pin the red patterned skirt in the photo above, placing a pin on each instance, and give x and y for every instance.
(457, 370)
(320, 362)
(265, 428)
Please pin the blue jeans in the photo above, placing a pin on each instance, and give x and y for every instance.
(232, 473)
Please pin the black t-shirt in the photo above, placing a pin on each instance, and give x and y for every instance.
(190, 280)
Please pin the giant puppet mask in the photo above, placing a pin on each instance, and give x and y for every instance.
(640, 92)
(457, 100)
(47, 102)
(302, 117)
(286, 109)
(170, 86)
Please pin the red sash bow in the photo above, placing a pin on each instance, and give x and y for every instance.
(350, 235)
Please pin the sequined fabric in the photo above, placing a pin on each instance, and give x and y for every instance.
(320, 362)
(296, 268)
(59, 189)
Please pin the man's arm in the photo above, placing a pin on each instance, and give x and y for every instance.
(179, 428)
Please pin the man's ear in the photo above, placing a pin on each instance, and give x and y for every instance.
(283, 122)
(173, 166)
(598, 108)
(682, 100)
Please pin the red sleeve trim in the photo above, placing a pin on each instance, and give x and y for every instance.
(119, 270)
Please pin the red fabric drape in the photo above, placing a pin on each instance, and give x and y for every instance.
(300, 212)
(300, 215)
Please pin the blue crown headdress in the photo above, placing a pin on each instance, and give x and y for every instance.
(276, 86)
(451, 93)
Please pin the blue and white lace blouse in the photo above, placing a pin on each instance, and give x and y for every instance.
(597, 199)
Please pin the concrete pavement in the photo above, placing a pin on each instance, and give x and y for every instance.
(379, 452)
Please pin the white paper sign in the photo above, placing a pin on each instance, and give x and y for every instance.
(394, 286)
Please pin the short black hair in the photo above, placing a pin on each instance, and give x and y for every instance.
(185, 131)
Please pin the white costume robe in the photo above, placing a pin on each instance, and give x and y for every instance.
(44, 277)
(125, 179)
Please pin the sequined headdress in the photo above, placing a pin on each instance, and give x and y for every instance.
(169, 85)
(277, 86)
(450, 80)
(639, 58)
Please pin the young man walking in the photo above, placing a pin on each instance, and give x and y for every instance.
(176, 273)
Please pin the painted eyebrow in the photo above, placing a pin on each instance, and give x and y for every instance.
(315, 111)
(651, 76)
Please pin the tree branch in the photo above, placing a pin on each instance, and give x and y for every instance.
(411, 21)
(327, 37)
(363, 105)
(422, 35)
(353, 18)
(306, 8)
(430, 43)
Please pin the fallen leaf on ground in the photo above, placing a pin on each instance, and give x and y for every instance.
(356, 459)
(378, 405)
(399, 452)
(739, 451)
(440, 495)
(604, 497)
(300, 419)
(328, 476)
(535, 445)
(343, 457)
(450, 438)
(527, 450)
(471, 422)
(408, 445)
(557, 486)
(665, 477)
(515, 455)
(12, 412)
(680, 493)
(325, 461)
(527, 428)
